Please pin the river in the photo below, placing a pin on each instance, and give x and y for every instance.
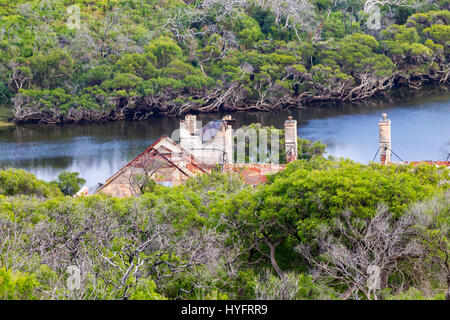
(420, 131)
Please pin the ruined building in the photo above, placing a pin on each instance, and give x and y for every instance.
(290, 133)
(165, 161)
(211, 147)
(213, 143)
(200, 150)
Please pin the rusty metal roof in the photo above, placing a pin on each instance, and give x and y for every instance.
(193, 164)
(254, 173)
(436, 163)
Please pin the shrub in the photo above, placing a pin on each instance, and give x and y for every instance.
(19, 182)
(69, 183)
(15, 285)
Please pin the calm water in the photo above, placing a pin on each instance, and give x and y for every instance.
(420, 131)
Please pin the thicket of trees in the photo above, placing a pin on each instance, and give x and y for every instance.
(318, 230)
(16, 181)
(134, 59)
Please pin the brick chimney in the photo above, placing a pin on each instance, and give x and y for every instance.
(290, 139)
(385, 139)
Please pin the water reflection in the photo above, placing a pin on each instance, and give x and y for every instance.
(420, 131)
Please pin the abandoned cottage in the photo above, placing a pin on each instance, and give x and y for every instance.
(199, 150)
(203, 149)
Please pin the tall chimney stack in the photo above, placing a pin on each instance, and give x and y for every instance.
(191, 123)
(385, 139)
(229, 141)
(290, 139)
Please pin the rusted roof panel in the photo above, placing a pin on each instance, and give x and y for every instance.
(254, 173)
(436, 163)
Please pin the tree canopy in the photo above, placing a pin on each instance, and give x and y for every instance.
(135, 59)
(216, 238)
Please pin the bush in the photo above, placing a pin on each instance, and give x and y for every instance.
(69, 183)
(15, 285)
(19, 182)
(291, 286)
(322, 188)
(414, 294)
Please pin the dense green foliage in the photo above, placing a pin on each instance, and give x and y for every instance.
(297, 236)
(16, 182)
(215, 238)
(16, 285)
(69, 183)
(131, 59)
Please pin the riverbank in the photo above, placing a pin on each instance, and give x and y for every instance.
(139, 113)
(166, 77)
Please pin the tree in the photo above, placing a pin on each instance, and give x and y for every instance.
(297, 202)
(52, 69)
(16, 285)
(14, 182)
(433, 228)
(141, 179)
(69, 183)
(354, 249)
(20, 76)
(135, 59)
(291, 286)
(370, 4)
(163, 50)
(291, 14)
